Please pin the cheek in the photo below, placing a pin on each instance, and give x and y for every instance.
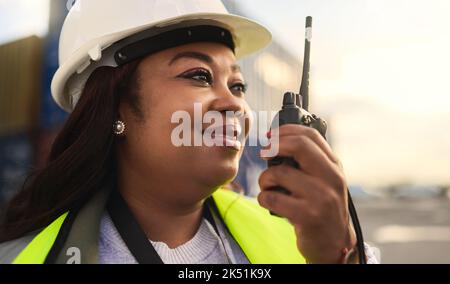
(163, 122)
(153, 130)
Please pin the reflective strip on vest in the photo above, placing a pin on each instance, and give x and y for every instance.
(264, 239)
(38, 249)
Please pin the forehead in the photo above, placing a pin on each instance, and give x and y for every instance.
(217, 53)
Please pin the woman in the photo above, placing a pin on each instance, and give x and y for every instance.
(117, 189)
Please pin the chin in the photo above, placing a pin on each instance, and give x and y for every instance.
(220, 173)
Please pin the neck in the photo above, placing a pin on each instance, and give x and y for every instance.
(163, 215)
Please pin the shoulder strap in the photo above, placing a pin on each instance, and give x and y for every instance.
(39, 248)
(132, 234)
(130, 231)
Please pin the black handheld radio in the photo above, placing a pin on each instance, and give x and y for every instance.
(295, 111)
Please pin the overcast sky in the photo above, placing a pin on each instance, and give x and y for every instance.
(20, 18)
(379, 74)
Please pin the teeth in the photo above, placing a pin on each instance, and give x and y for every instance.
(233, 131)
(229, 141)
(226, 137)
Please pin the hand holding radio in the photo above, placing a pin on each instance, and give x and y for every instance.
(317, 201)
(306, 184)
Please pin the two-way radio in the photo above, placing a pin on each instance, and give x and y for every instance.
(295, 111)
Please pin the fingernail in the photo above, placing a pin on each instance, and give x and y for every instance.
(269, 134)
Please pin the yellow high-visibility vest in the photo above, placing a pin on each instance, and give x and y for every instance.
(264, 239)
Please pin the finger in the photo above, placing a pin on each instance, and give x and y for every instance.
(311, 158)
(298, 183)
(282, 205)
(311, 133)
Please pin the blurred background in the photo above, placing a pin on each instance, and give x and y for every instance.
(379, 74)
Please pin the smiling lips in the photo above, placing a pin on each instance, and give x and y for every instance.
(227, 135)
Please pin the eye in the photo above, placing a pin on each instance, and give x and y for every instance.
(201, 75)
(239, 88)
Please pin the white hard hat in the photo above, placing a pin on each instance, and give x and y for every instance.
(95, 29)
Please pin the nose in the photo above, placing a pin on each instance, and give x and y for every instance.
(225, 101)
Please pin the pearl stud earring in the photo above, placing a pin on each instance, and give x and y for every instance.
(119, 127)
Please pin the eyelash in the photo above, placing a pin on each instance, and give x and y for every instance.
(243, 87)
(208, 80)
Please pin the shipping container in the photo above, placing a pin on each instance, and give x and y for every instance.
(20, 85)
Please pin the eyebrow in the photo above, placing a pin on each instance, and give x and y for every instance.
(202, 57)
(236, 68)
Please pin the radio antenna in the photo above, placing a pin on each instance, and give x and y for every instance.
(304, 88)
